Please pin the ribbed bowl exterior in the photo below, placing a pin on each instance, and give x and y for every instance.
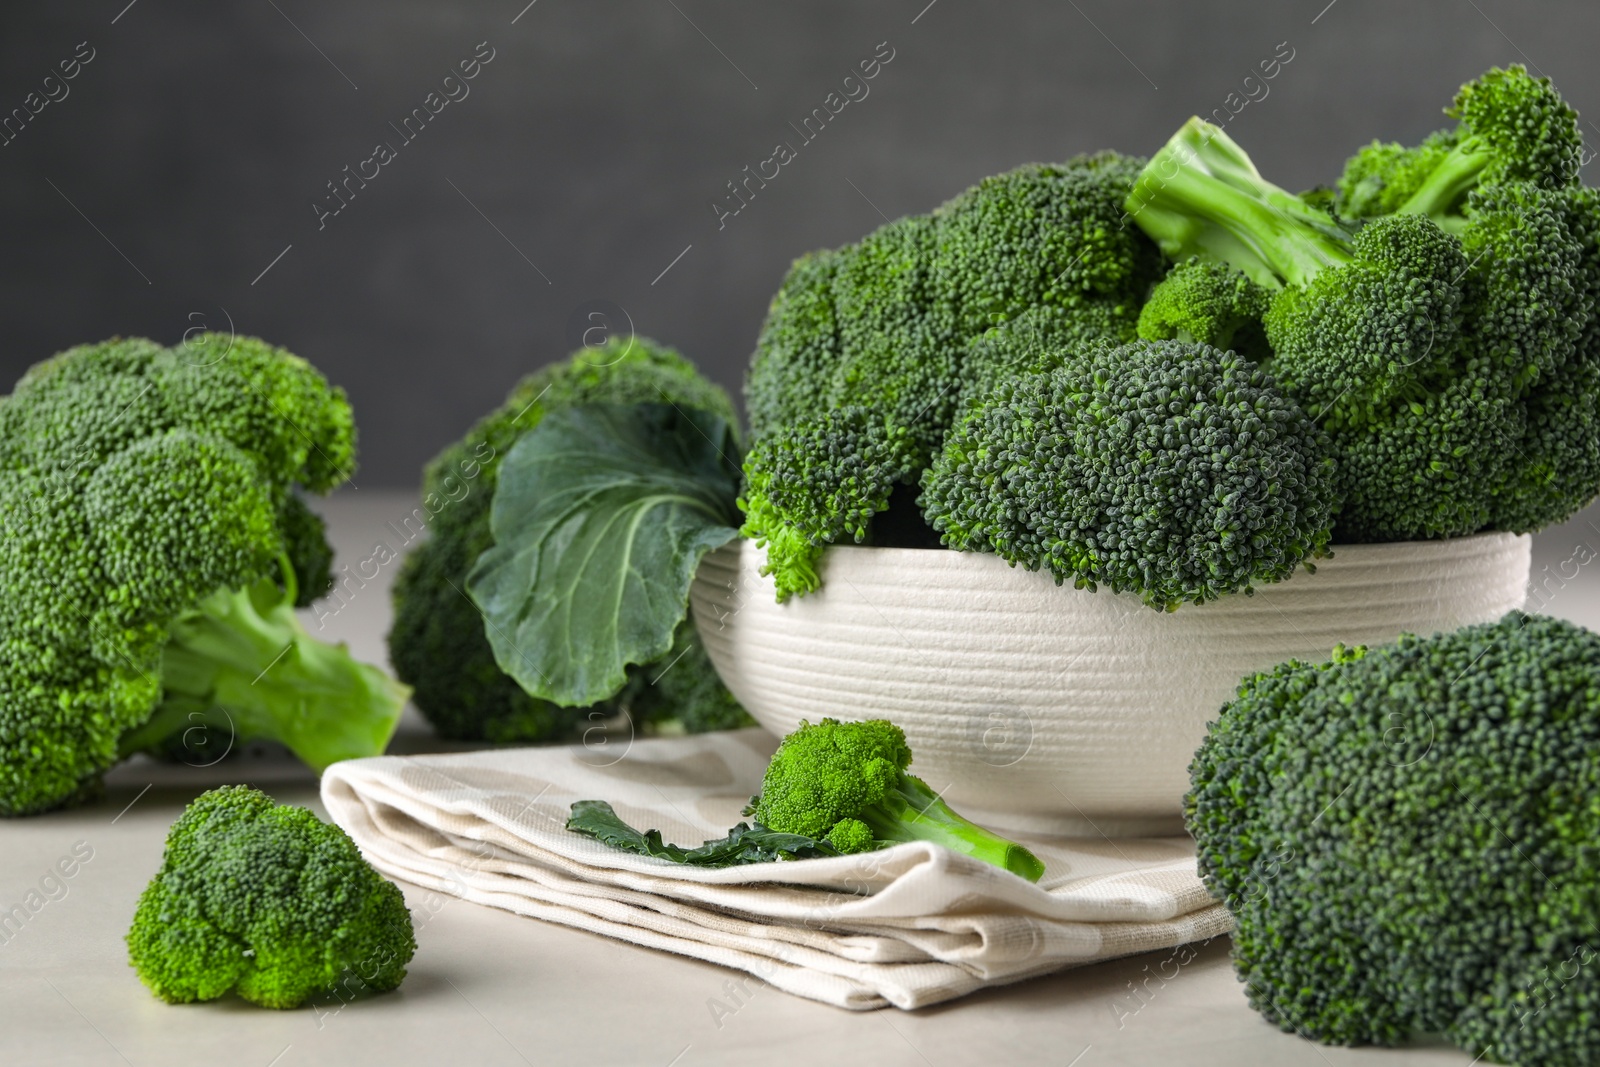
(1049, 708)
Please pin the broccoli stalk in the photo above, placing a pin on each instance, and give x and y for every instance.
(240, 666)
(1201, 195)
(911, 811)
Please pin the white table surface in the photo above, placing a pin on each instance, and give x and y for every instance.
(488, 987)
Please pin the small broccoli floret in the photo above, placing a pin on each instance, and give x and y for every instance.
(149, 509)
(1170, 470)
(1513, 127)
(1431, 466)
(266, 901)
(847, 782)
(1384, 175)
(1208, 302)
(1527, 299)
(1042, 235)
(1557, 470)
(437, 641)
(812, 485)
(884, 327)
(1349, 340)
(1354, 323)
(1406, 840)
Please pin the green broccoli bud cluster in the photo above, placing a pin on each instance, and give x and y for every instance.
(1448, 344)
(1167, 469)
(266, 901)
(811, 486)
(140, 489)
(890, 330)
(846, 783)
(1208, 302)
(1406, 838)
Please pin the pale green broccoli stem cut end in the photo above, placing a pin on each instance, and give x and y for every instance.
(241, 667)
(913, 812)
(1201, 195)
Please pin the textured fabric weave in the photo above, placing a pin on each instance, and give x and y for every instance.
(908, 926)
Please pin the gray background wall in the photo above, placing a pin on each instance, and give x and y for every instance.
(190, 151)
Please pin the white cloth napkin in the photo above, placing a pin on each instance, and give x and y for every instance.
(910, 926)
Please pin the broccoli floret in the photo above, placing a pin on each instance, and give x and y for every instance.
(1163, 468)
(1038, 335)
(437, 641)
(1427, 357)
(1354, 323)
(1429, 467)
(1042, 234)
(1527, 299)
(1384, 175)
(1208, 302)
(798, 348)
(1348, 341)
(269, 902)
(810, 486)
(883, 328)
(147, 503)
(1558, 458)
(846, 783)
(1512, 127)
(1406, 839)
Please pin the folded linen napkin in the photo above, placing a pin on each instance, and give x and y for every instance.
(910, 926)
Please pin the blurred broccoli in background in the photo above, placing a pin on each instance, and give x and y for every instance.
(437, 642)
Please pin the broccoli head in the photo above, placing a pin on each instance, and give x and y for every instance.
(154, 548)
(1209, 302)
(267, 901)
(1407, 840)
(1445, 361)
(1512, 127)
(1168, 469)
(846, 783)
(437, 641)
(863, 360)
(808, 487)
(1383, 175)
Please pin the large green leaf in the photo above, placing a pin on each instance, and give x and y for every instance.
(600, 519)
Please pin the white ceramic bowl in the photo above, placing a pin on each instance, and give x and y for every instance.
(1042, 707)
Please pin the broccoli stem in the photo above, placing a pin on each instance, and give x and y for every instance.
(914, 812)
(1441, 193)
(1201, 195)
(241, 667)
